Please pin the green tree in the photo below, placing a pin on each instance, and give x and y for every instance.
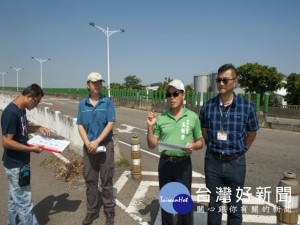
(293, 89)
(162, 86)
(132, 82)
(256, 78)
(189, 88)
(115, 86)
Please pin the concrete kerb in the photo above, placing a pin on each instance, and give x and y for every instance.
(63, 125)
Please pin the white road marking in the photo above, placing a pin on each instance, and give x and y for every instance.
(46, 103)
(141, 192)
(122, 181)
(128, 129)
(60, 102)
(61, 157)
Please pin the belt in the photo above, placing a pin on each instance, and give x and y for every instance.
(174, 158)
(228, 157)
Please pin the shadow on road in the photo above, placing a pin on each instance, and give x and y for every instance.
(152, 209)
(54, 204)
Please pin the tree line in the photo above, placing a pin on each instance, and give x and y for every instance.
(253, 78)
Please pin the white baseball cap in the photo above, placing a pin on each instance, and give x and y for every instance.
(176, 84)
(94, 76)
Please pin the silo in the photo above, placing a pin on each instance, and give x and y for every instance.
(201, 83)
(213, 83)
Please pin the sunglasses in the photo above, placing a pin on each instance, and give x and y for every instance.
(174, 94)
(225, 80)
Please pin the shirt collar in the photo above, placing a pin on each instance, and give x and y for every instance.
(220, 103)
(101, 99)
(184, 112)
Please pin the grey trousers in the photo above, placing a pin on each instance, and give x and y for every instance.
(93, 164)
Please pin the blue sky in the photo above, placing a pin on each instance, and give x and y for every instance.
(163, 38)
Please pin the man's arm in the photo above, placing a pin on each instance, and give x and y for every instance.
(8, 142)
(198, 144)
(204, 133)
(94, 144)
(83, 135)
(152, 140)
(43, 130)
(250, 138)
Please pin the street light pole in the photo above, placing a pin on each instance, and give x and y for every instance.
(3, 73)
(108, 33)
(41, 61)
(17, 69)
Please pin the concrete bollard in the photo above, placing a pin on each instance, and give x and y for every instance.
(288, 209)
(136, 158)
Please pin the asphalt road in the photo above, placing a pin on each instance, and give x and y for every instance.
(272, 153)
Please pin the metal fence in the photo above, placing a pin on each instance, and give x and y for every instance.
(192, 98)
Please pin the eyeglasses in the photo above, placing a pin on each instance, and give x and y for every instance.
(225, 80)
(35, 101)
(174, 94)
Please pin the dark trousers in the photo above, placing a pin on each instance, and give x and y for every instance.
(93, 164)
(175, 172)
(221, 173)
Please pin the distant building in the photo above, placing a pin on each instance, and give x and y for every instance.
(153, 86)
(281, 93)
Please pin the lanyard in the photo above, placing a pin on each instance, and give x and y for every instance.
(225, 117)
(221, 111)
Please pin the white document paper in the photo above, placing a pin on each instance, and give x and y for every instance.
(48, 143)
(173, 147)
(101, 149)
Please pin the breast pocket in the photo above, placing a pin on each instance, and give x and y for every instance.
(100, 115)
(238, 122)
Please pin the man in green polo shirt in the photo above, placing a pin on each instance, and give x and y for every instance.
(178, 126)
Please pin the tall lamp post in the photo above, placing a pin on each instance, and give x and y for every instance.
(41, 61)
(3, 73)
(108, 33)
(17, 69)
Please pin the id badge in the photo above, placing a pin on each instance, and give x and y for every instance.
(222, 136)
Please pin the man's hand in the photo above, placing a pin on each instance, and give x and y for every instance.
(189, 149)
(92, 147)
(36, 149)
(44, 131)
(151, 118)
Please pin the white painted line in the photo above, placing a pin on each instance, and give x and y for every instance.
(60, 102)
(46, 103)
(122, 180)
(62, 99)
(140, 194)
(133, 127)
(196, 174)
(149, 173)
(61, 157)
(120, 205)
